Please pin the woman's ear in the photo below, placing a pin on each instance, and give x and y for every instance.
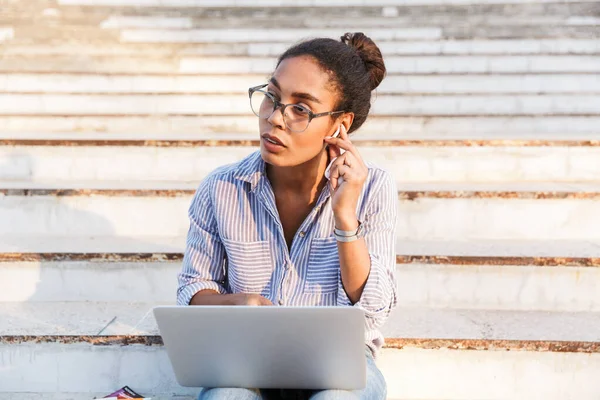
(347, 120)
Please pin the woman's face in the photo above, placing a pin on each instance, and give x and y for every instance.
(298, 80)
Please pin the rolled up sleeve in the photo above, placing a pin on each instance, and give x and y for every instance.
(379, 295)
(204, 259)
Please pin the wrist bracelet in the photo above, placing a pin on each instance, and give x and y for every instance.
(346, 239)
(348, 236)
(339, 232)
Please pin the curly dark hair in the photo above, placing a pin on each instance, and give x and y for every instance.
(355, 66)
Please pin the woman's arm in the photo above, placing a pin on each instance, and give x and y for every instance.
(367, 265)
(202, 278)
(355, 263)
(204, 259)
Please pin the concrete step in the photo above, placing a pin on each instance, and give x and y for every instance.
(146, 244)
(53, 33)
(470, 26)
(556, 284)
(104, 244)
(494, 374)
(369, 18)
(194, 65)
(86, 137)
(425, 212)
(72, 165)
(193, 127)
(198, 15)
(450, 47)
(300, 3)
(389, 105)
(466, 341)
(262, 35)
(267, 49)
(220, 84)
(402, 33)
(77, 396)
(102, 319)
(517, 64)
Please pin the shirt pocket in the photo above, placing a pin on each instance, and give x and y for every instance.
(323, 271)
(249, 266)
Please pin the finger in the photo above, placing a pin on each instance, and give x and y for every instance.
(349, 148)
(340, 143)
(344, 132)
(339, 161)
(347, 159)
(334, 151)
(266, 301)
(337, 172)
(333, 177)
(350, 159)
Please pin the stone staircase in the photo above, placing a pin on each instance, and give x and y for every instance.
(112, 112)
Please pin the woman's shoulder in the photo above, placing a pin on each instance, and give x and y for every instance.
(378, 173)
(380, 181)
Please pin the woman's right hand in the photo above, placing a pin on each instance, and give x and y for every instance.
(214, 298)
(243, 299)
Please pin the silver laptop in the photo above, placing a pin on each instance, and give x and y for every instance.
(265, 347)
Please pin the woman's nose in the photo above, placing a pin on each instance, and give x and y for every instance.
(276, 118)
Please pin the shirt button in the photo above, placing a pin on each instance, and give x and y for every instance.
(280, 302)
(302, 234)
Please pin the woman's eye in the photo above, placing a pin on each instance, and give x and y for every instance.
(300, 109)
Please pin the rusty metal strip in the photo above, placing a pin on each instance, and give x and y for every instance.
(391, 343)
(523, 195)
(251, 142)
(99, 192)
(123, 340)
(495, 345)
(500, 261)
(91, 257)
(402, 195)
(400, 259)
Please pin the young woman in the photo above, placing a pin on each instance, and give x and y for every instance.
(275, 228)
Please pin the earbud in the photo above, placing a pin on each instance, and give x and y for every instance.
(337, 133)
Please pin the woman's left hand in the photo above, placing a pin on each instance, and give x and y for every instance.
(353, 172)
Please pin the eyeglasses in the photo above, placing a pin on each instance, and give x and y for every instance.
(295, 116)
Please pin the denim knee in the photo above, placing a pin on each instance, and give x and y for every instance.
(228, 394)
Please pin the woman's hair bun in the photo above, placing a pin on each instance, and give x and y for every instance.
(369, 53)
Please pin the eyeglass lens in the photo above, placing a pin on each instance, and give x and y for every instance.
(295, 116)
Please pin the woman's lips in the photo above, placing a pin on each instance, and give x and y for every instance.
(274, 139)
(272, 147)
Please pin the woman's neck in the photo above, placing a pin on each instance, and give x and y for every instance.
(303, 179)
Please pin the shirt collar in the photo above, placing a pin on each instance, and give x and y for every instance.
(253, 168)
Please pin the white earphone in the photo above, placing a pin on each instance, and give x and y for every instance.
(337, 133)
(327, 171)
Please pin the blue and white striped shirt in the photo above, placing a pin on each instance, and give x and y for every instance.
(236, 245)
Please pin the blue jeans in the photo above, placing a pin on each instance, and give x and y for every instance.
(376, 389)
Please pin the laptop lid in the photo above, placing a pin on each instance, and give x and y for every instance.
(265, 347)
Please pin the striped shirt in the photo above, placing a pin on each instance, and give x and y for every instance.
(236, 244)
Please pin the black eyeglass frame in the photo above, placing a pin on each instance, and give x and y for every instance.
(277, 104)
